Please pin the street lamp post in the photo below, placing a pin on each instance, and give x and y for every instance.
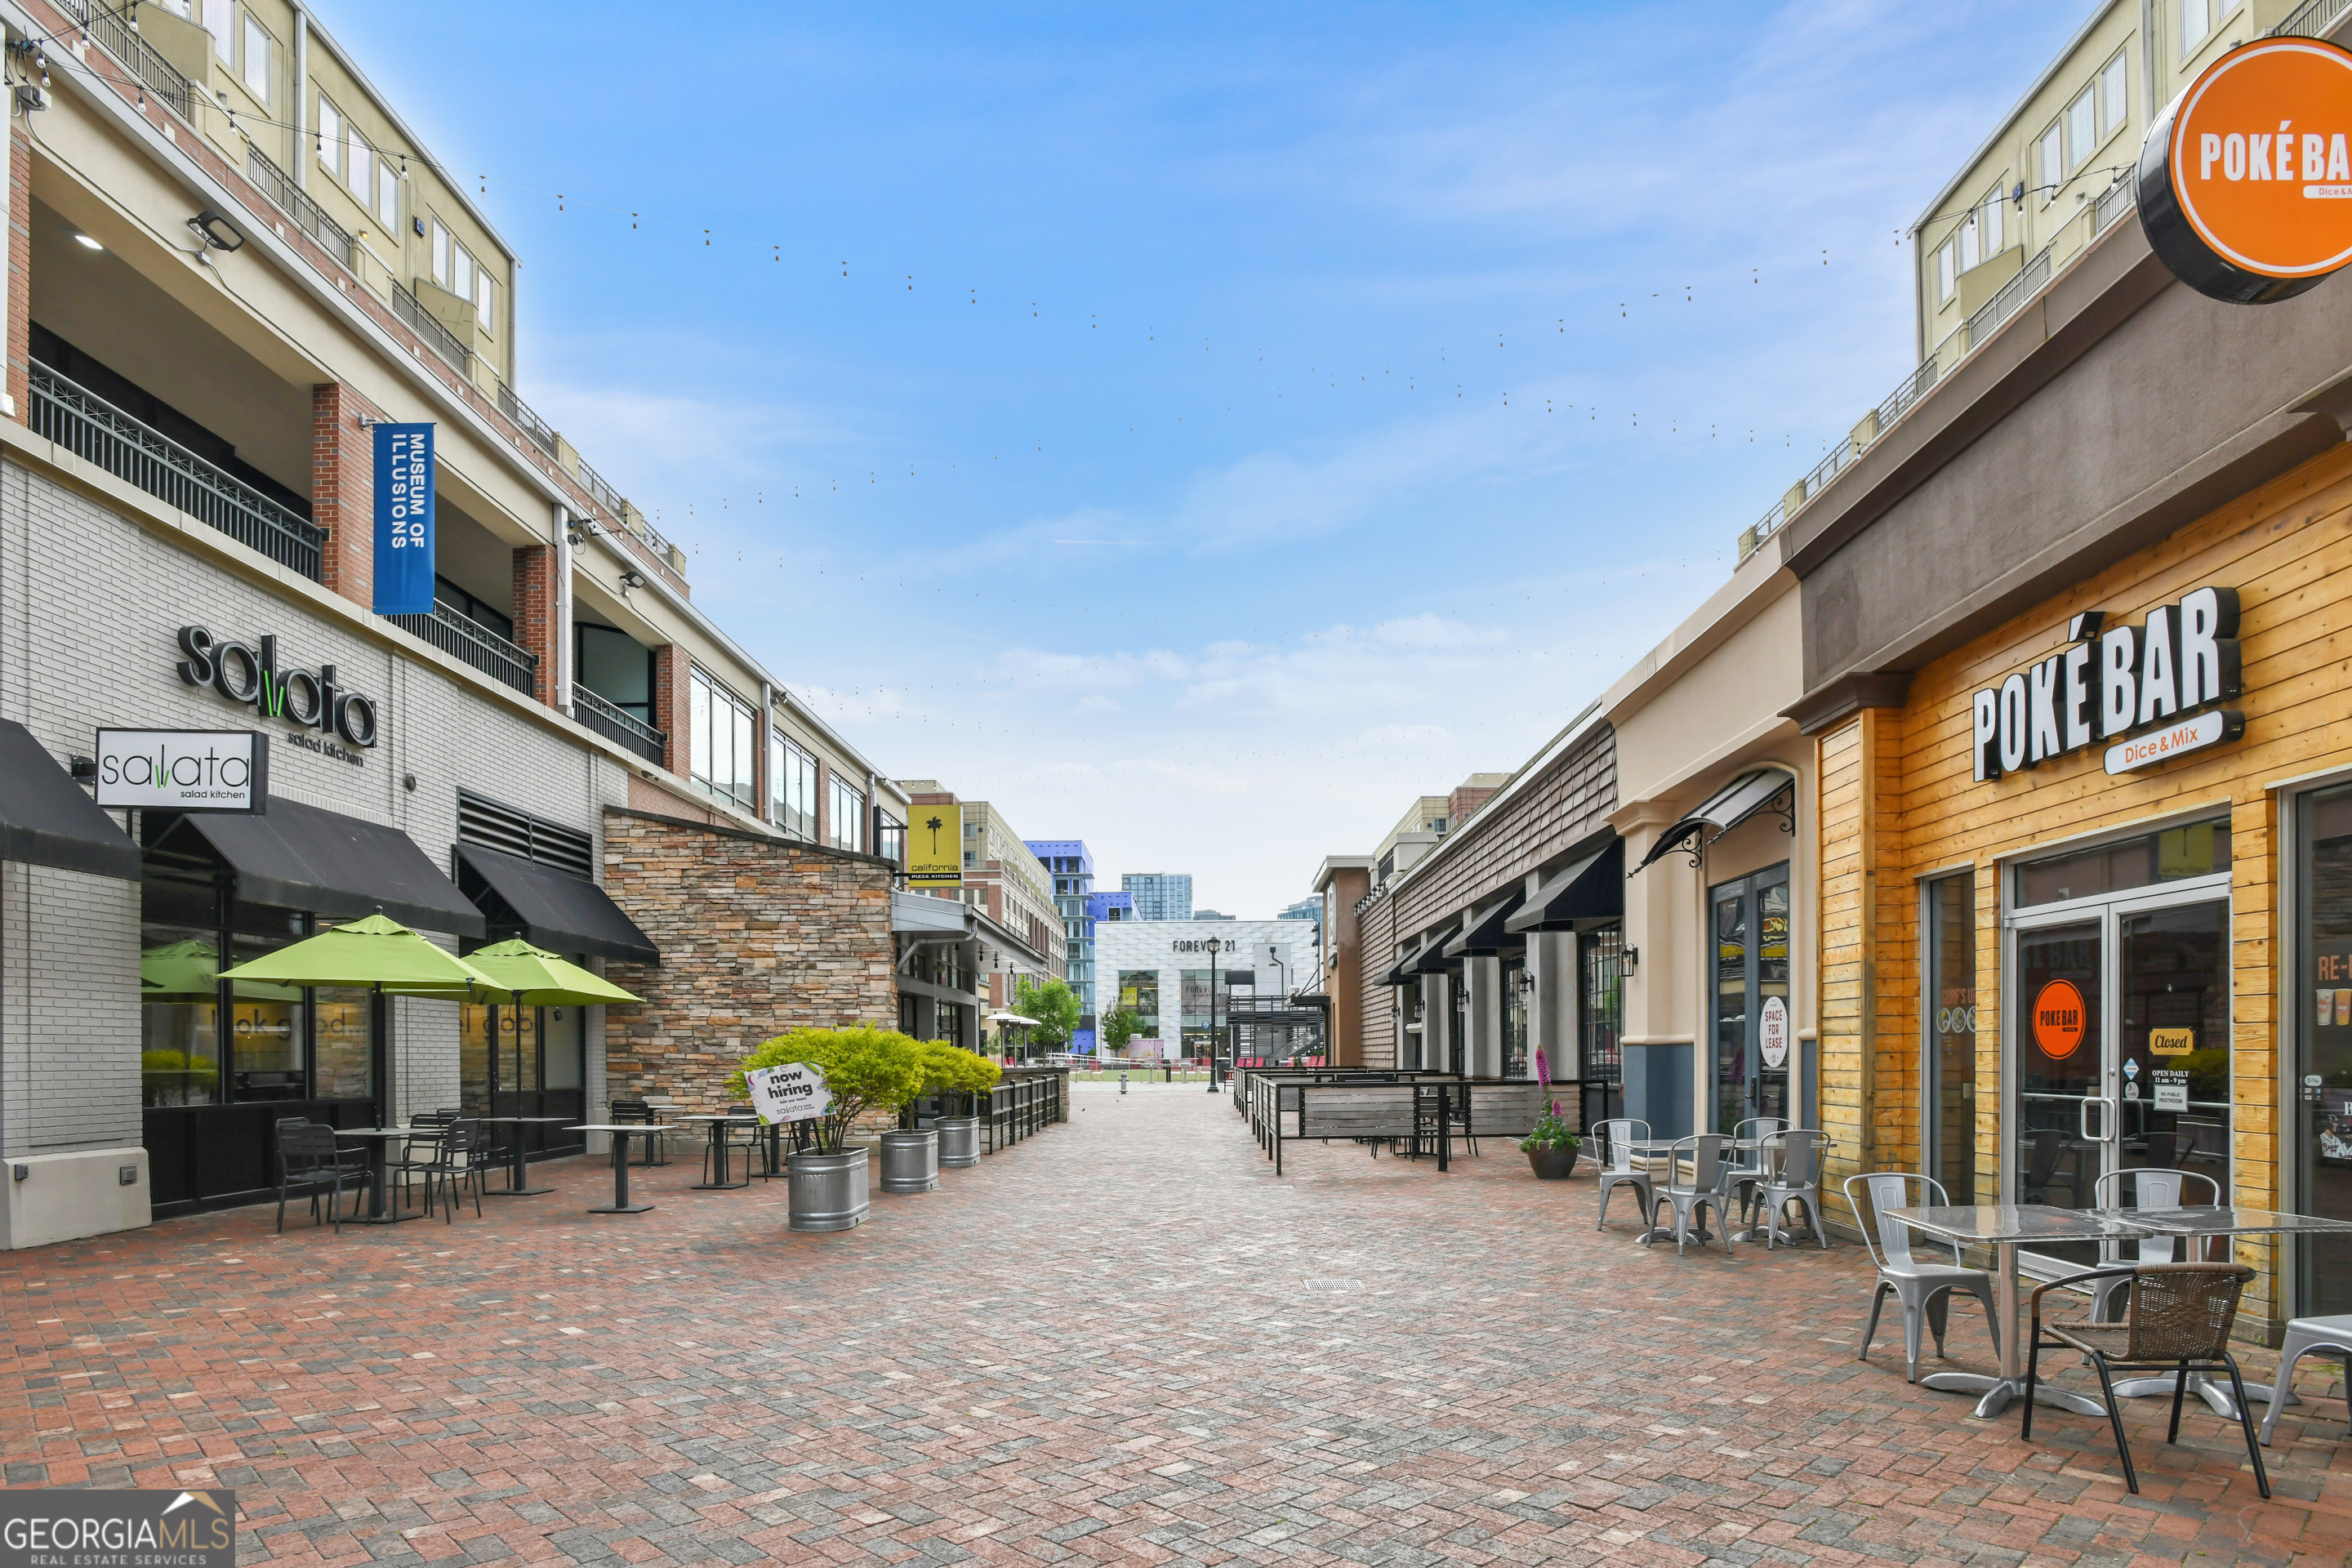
(1213, 1015)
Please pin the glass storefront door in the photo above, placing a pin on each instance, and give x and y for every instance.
(1748, 922)
(2322, 1000)
(2120, 1041)
(1950, 1081)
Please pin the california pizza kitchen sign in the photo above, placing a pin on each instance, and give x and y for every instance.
(2153, 691)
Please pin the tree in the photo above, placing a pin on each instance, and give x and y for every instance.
(1054, 1006)
(951, 1070)
(1118, 1028)
(865, 1068)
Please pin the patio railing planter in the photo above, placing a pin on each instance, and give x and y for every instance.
(470, 642)
(99, 433)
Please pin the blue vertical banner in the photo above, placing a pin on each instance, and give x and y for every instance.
(404, 519)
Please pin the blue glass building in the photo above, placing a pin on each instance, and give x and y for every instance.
(1073, 870)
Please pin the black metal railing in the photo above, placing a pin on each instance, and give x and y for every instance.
(617, 724)
(156, 75)
(541, 433)
(427, 325)
(97, 432)
(470, 642)
(296, 203)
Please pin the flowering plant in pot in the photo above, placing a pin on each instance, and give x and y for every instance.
(1551, 1147)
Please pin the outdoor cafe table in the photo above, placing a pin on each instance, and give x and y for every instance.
(2005, 1227)
(518, 1186)
(379, 1140)
(718, 1126)
(621, 1131)
(2215, 1224)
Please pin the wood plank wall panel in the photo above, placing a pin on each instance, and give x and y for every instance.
(1506, 841)
(2287, 549)
(1842, 949)
(1376, 937)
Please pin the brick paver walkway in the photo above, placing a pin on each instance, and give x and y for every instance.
(1121, 1341)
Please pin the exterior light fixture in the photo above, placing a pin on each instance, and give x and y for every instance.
(82, 239)
(217, 232)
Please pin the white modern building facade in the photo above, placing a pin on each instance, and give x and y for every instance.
(1168, 972)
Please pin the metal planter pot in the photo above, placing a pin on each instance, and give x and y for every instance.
(911, 1162)
(1553, 1164)
(828, 1191)
(959, 1142)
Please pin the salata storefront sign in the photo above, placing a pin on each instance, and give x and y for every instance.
(2138, 684)
(184, 769)
(248, 674)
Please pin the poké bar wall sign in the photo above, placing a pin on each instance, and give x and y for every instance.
(2141, 687)
(248, 673)
(2245, 181)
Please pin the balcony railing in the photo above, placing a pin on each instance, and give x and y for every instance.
(1899, 401)
(308, 216)
(2015, 292)
(156, 75)
(99, 433)
(427, 325)
(2122, 195)
(470, 642)
(615, 724)
(519, 413)
(2312, 19)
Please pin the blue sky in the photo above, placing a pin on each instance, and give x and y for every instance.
(1199, 430)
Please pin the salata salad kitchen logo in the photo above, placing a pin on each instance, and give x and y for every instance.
(248, 674)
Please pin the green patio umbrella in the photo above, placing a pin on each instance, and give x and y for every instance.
(186, 970)
(534, 977)
(375, 952)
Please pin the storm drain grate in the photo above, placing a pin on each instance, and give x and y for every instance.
(1334, 1287)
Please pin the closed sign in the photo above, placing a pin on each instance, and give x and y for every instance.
(184, 769)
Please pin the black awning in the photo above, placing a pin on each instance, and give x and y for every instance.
(554, 908)
(1592, 887)
(47, 819)
(1433, 958)
(1483, 931)
(1726, 809)
(1403, 974)
(298, 856)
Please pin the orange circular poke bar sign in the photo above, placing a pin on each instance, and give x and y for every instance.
(2245, 181)
(2059, 1020)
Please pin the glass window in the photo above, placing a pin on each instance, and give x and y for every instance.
(360, 173)
(330, 138)
(1947, 267)
(342, 1055)
(1951, 1018)
(1970, 256)
(387, 196)
(2052, 152)
(792, 787)
(256, 60)
(615, 667)
(720, 728)
(2200, 849)
(178, 1043)
(2323, 1011)
(461, 272)
(848, 823)
(890, 844)
(485, 297)
(1515, 1061)
(440, 254)
(220, 21)
(1601, 1014)
(2196, 25)
(2081, 130)
(2115, 95)
(1996, 218)
(264, 1033)
(564, 1048)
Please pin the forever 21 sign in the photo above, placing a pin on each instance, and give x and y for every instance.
(2139, 687)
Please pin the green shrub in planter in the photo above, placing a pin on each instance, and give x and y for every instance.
(866, 1068)
(951, 1070)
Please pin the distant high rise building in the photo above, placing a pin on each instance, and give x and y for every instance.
(1073, 870)
(1161, 895)
(1306, 910)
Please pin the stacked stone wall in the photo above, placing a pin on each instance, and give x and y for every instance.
(758, 936)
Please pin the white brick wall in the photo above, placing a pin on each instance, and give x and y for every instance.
(91, 604)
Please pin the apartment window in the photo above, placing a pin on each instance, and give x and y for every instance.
(220, 21)
(848, 816)
(1995, 220)
(2082, 129)
(720, 732)
(387, 196)
(2114, 96)
(890, 837)
(360, 175)
(331, 139)
(2196, 25)
(461, 272)
(440, 254)
(1947, 266)
(2053, 158)
(257, 60)
(792, 788)
(1970, 255)
(485, 296)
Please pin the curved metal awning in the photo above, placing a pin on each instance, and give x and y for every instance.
(1592, 887)
(1726, 809)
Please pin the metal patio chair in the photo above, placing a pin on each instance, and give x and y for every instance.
(2179, 1321)
(2151, 1188)
(1923, 1288)
(2310, 1336)
(1703, 1191)
(1617, 1141)
(1742, 1169)
(309, 1163)
(1797, 1180)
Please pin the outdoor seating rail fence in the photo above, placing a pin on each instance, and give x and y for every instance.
(1028, 1101)
(1415, 1112)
